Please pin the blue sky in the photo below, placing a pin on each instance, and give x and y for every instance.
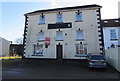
(13, 17)
(13, 13)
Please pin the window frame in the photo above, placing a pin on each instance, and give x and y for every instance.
(57, 39)
(77, 16)
(40, 48)
(113, 33)
(80, 51)
(39, 36)
(79, 37)
(42, 19)
(59, 17)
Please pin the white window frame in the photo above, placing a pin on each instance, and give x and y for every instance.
(79, 35)
(38, 49)
(84, 49)
(79, 16)
(42, 19)
(41, 36)
(113, 32)
(59, 35)
(59, 17)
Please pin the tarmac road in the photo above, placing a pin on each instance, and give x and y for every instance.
(53, 69)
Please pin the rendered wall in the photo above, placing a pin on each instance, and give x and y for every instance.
(107, 38)
(112, 56)
(88, 25)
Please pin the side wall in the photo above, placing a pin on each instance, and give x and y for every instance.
(112, 56)
(4, 47)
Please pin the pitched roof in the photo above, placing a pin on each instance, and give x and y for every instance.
(111, 22)
(65, 8)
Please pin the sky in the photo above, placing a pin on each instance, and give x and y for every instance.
(12, 16)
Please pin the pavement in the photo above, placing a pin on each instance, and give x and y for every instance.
(54, 69)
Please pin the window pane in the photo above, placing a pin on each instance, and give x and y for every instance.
(42, 19)
(79, 35)
(59, 35)
(78, 16)
(113, 34)
(41, 36)
(59, 17)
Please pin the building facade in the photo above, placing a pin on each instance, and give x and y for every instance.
(110, 31)
(63, 33)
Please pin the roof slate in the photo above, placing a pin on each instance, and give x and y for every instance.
(111, 22)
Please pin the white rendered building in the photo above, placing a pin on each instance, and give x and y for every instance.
(63, 33)
(110, 31)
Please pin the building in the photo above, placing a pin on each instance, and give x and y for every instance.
(110, 31)
(63, 33)
(4, 47)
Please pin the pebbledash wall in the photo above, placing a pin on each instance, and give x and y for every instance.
(90, 25)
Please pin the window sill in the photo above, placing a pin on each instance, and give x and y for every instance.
(113, 39)
(80, 39)
(59, 22)
(41, 40)
(80, 55)
(59, 40)
(37, 55)
(41, 24)
(79, 21)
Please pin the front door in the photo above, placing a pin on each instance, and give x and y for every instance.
(59, 51)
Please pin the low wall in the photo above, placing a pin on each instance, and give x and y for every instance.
(113, 57)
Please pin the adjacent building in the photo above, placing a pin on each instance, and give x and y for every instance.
(63, 33)
(4, 47)
(110, 31)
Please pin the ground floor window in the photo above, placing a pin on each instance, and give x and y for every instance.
(38, 49)
(81, 49)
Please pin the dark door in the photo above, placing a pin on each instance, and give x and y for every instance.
(59, 51)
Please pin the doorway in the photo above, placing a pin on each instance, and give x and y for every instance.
(59, 50)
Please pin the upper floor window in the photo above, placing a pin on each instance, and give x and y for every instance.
(78, 16)
(41, 36)
(79, 35)
(113, 34)
(42, 19)
(59, 35)
(59, 17)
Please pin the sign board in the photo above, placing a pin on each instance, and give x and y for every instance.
(47, 41)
